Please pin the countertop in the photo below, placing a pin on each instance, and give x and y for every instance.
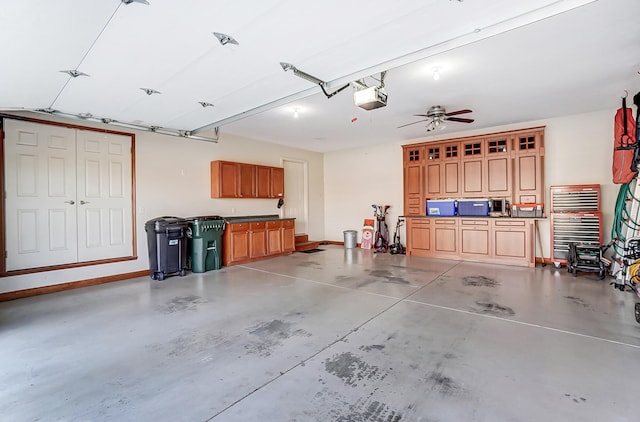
(252, 218)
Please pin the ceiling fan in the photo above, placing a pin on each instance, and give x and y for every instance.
(436, 116)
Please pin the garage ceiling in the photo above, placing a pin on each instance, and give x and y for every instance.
(507, 61)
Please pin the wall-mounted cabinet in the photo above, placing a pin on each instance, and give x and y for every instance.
(501, 165)
(414, 159)
(240, 180)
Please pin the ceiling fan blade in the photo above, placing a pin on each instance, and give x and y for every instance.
(454, 113)
(459, 119)
(422, 115)
(408, 124)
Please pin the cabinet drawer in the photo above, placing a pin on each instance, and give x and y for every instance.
(257, 225)
(509, 223)
(466, 222)
(422, 222)
(274, 224)
(414, 201)
(445, 222)
(239, 227)
(287, 224)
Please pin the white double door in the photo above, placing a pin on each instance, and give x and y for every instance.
(68, 195)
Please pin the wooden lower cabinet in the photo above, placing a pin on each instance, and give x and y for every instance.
(508, 241)
(274, 237)
(419, 236)
(514, 242)
(252, 241)
(474, 238)
(236, 242)
(257, 240)
(444, 236)
(288, 236)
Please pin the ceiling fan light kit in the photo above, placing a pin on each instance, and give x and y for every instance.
(436, 115)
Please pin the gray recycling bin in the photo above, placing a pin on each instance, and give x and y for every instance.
(167, 242)
(205, 243)
(350, 239)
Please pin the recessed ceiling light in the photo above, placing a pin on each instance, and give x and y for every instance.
(295, 113)
(85, 115)
(225, 39)
(436, 72)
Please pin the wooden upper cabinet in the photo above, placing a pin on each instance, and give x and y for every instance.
(529, 168)
(240, 180)
(414, 168)
(498, 166)
(442, 171)
(224, 179)
(263, 182)
(247, 181)
(473, 168)
(277, 182)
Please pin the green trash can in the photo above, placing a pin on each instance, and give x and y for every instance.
(205, 243)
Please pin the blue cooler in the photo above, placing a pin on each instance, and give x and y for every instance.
(473, 207)
(443, 207)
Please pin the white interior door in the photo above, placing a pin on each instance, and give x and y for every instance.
(296, 197)
(104, 196)
(40, 183)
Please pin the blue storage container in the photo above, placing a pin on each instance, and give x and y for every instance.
(441, 207)
(473, 207)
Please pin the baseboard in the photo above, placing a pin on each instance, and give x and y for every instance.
(19, 294)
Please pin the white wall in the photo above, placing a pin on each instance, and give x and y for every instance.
(578, 150)
(172, 178)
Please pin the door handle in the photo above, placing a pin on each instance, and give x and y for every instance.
(84, 202)
(69, 202)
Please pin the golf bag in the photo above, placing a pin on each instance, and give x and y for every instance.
(381, 243)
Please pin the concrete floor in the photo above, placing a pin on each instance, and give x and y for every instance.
(338, 335)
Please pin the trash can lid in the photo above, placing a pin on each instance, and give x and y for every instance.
(205, 217)
(166, 221)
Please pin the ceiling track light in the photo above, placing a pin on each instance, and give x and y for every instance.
(304, 75)
(74, 73)
(130, 125)
(205, 104)
(150, 91)
(225, 39)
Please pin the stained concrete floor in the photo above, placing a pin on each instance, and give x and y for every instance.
(338, 335)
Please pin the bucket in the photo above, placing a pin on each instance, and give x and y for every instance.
(350, 239)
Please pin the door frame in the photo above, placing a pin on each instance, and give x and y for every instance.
(3, 247)
(305, 171)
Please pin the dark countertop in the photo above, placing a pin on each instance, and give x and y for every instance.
(474, 216)
(253, 218)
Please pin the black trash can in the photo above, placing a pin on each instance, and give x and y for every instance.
(205, 243)
(167, 241)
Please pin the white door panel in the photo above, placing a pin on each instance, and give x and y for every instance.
(40, 162)
(104, 196)
(69, 195)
